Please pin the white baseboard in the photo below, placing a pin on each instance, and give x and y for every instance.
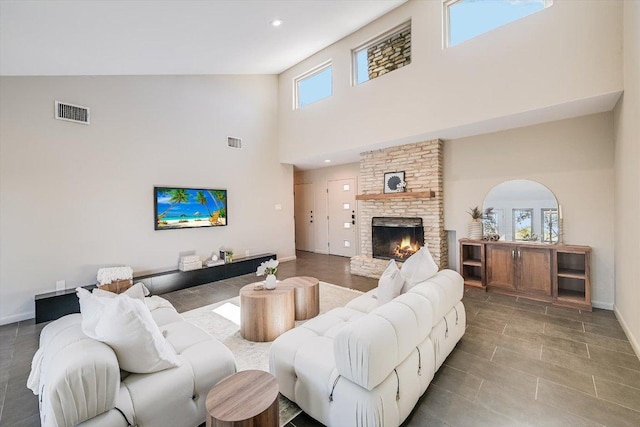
(632, 340)
(288, 258)
(603, 305)
(321, 251)
(17, 318)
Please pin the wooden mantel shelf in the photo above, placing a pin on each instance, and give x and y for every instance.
(416, 195)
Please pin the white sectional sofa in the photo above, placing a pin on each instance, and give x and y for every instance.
(80, 382)
(367, 365)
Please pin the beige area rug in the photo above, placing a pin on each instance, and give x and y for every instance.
(214, 319)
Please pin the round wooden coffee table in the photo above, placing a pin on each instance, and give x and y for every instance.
(266, 314)
(307, 296)
(246, 398)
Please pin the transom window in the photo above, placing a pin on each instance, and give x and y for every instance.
(314, 85)
(383, 54)
(466, 19)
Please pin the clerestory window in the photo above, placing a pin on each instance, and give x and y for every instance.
(383, 54)
(466, 19)
(314, 85)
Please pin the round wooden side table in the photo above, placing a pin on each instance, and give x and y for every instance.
(244, 399)
(266, 314)
(307, 296)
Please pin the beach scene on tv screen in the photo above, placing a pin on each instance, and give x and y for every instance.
(187, 208)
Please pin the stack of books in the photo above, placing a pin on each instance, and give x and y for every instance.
(190, 262)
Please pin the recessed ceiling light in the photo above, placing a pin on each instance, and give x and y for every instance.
(277, 22)
(327, 161)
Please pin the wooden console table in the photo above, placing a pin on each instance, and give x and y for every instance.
(559, 274)
(53, 305)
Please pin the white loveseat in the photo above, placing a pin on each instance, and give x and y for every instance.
(80, 382)
(367, 365)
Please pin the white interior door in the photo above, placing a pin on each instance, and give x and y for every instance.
(341, 203)
(303, 216)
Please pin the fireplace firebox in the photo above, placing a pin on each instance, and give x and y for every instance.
(396, 238)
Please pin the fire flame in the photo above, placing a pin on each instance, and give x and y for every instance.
(405, 248)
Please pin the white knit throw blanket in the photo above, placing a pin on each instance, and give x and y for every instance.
(113, 274)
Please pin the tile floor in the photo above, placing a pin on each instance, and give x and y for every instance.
(520, 362)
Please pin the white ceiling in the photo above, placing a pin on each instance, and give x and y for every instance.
(111, 37)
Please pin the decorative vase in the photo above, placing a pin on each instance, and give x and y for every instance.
(475, 230)
(270, 281)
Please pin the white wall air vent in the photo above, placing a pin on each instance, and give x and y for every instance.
(72, 113)
(234, 142)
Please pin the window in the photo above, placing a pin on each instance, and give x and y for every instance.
(523, 225)
(466, 19)
(385, 53)
(314, 85)
(493, 222)
(549, 225)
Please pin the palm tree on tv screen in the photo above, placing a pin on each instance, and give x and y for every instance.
(219, 196)
(178, 195)
(202, 199)
(222, 196)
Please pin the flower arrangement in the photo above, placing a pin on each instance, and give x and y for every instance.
(268, 267)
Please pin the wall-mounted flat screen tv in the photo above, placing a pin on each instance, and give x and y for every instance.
(189, 207)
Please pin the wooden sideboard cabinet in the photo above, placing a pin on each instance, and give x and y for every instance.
(519, 268)
(555, 273)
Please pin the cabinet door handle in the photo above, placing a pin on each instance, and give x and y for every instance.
(518, 253)
(513, 253)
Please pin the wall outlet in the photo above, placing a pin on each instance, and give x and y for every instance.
(246, 253)
(278, 207)
(60, 285)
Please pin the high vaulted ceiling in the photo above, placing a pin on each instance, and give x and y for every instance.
(151, 37)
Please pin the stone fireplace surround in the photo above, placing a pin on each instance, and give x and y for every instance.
(422, 164)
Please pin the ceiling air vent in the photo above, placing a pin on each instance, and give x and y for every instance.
(234, 142)
(72, 113)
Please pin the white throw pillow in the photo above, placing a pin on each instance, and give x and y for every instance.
(418, 268)
(390, 283)
(139, 291)
(126, 325)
